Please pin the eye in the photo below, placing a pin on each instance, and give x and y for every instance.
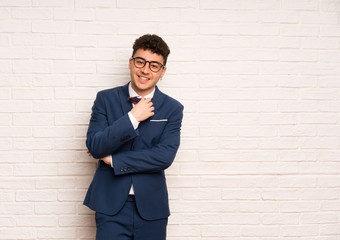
(139, 61)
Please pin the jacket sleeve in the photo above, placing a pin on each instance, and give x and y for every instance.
(104, 139)
(156, 158)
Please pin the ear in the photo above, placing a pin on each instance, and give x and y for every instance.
(130, 62)
(163, 72)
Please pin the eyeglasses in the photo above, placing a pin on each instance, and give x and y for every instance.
(153, 65)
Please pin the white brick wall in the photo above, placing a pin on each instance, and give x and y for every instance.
(260, 81)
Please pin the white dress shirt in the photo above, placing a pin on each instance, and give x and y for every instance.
(133, 120)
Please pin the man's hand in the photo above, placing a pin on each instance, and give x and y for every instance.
(106, 159)
(143, 110)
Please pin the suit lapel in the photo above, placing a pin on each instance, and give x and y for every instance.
(157, 99)
(123, 95)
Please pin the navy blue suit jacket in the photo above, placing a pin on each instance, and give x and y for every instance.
(139, 156)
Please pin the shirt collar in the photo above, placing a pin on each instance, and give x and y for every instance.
(132, 93)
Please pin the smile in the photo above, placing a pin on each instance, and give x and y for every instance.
(143, 78)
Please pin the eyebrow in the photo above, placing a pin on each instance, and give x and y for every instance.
(150, 61)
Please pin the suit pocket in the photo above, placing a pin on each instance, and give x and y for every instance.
(151, 133)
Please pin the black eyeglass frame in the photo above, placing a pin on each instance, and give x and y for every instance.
(145, 61)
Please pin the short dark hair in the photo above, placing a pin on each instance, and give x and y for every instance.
(153, 43)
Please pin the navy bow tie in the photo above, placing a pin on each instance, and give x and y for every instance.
(134, 100)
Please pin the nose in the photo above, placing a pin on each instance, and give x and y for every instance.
(146, 68)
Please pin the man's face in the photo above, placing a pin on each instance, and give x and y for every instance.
(143, 80)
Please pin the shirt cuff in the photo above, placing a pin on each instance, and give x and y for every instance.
(111, 161)
(133, 120)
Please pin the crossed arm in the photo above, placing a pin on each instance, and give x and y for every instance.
(103, 140)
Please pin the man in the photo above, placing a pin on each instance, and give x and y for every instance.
(134, 131)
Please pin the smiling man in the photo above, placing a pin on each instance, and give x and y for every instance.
(134, 131)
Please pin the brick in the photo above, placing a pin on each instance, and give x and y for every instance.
(32, 93)
(218, 29)
(93, 4)
(220, 132)
(258, 132)
(15, 53)
(318, 194)
(18, 232)
(6, 144)
(7, 221)
(298, 56)
(330, 229)
(37, 119)
(53, 3)
(37, 221)
(71, 67)
(53, 53)
(52, 27)
(52, 132)
(280, 119)
(15, 26)
(15, 132)
(51, 208)
(53, 106)
(95, 54)
(178, 28)
(279, 17)
(15, 3)
(5, 119)
(299, 207)
(319, 43)
(77, 169)
(280, 42)
(35, 170)
(278, 195)
(31, 13)
(71, 196)
(54, 80)
(256, 231)
(22, 156)
(301, 230)
(259, 30)
(306, 5)
(32, 39)
(259, 206)
(317, 218)
(319, 143)
(135, 28)
(299, 31)
(280, 219)
(186, 231)
(56, 156)
(17, 208)
(57, 233)
(297, 131)
(82, 14)
(297, 156)
(95, 28)
(299, 106)
(233, 194)
(319, 18)
(76, 40)
(31, 66)
(76, 221)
